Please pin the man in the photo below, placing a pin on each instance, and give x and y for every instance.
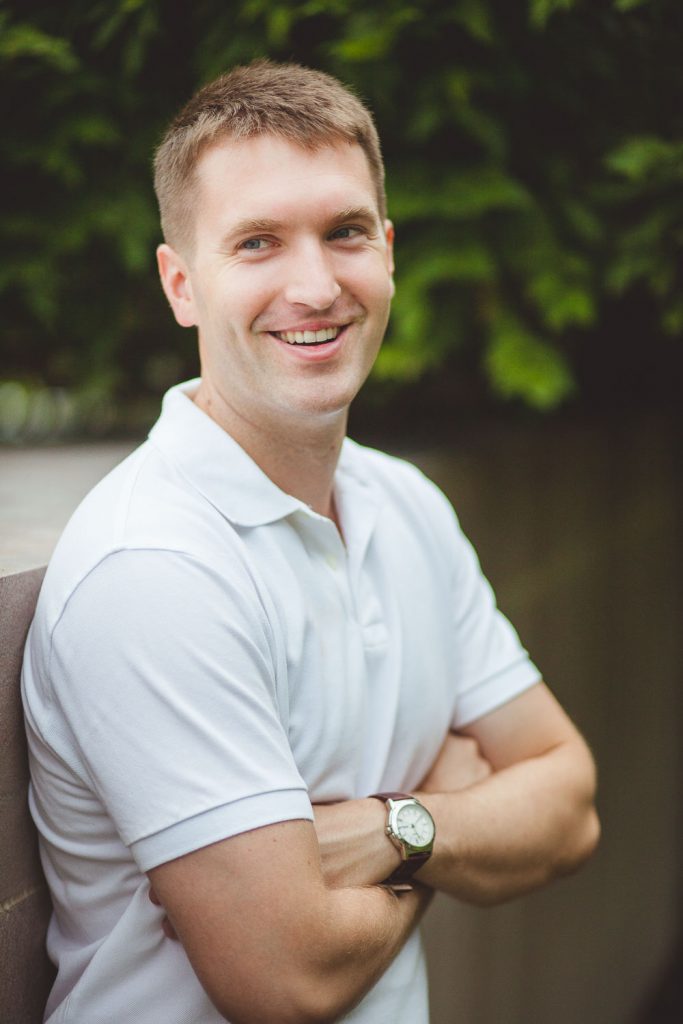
(253, 627)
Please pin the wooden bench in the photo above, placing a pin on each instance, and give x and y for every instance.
(26, 974)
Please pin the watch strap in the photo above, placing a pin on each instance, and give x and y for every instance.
(392, 796)
(407, 868)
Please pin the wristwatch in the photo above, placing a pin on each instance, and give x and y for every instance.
(411, 829)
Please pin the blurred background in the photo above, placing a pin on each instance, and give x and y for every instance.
(534, 154)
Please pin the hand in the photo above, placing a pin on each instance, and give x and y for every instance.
(167, 927)
(459, 764)
(354, 848)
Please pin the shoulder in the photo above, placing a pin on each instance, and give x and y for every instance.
(142, 520)
(403, 486)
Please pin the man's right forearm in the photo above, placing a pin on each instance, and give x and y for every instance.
(367, 928)
(269, 938)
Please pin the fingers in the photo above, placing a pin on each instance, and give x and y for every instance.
(166, 926)
(458, 765)
(478, 766)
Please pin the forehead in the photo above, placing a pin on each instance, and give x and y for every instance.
(267, 177)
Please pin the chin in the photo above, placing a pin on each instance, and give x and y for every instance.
(327, 400)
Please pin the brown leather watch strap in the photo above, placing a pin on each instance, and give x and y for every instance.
(407, 868)
(392, 796)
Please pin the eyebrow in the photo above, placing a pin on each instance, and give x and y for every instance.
(357, 213)
(265, 225)
(255, 226)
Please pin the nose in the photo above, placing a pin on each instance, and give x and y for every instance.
(312, 280)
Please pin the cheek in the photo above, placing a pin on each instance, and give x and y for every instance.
(250, 295)
(372, 285)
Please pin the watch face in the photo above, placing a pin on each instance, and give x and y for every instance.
(415, 825)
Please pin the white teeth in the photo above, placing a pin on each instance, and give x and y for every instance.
(308, 337)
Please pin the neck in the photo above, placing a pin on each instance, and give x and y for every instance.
(299, 454)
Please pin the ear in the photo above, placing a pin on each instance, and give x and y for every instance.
(390, 234)
(175, 281)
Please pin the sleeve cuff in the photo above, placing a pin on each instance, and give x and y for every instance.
(220, 823)
(495, 691)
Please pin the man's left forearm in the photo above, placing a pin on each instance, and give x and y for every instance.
(515, 830)
(502, 836)
(513, 801)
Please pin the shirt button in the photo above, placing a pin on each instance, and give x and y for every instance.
(332, 561)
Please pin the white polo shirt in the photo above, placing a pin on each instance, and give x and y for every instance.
(208, 657)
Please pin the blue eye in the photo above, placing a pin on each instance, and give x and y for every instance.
(344, 233)
(253, 244)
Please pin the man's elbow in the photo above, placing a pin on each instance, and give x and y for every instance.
(320, 1004)
(582, 825)
(296, 1001)
(581, 843)
(310, 984)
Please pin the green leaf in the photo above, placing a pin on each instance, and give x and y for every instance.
(26, 41)
(520, 365)
(475, 17)
(130, 221)
(279, 21)
(583, 220)
(370, 36)
(39, 282)
(91, 129)
(562, 304)
(628, 5)
(541, 10)
(630, 266)
(648, 250)
(138, 42)
(672, 319)
(640, 156)
(398, 364)
(459, 196)
(370, 46)
(561, 292)
(456, 260)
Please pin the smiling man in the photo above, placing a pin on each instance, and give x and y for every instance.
(289, 287)
(271, 704)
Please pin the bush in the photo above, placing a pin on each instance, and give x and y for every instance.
(534, 154)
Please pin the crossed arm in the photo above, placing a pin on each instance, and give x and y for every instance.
(512, 797)
(289, 923)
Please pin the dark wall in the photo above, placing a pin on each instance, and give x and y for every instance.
(578, 528)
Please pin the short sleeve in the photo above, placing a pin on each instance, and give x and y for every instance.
(489, 664)
(492, 666)
(165, 699)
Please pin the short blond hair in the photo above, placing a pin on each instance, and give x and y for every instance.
(304, 106)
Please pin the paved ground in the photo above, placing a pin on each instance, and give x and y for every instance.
(39, 489)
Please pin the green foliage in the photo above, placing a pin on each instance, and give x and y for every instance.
(647, 215)
(541, 10)
(23, 40)
(522, 366)
(534, 155)
(627, 5)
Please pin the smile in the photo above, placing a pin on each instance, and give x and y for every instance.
(308, 337)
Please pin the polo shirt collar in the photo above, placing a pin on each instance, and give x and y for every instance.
(212, 461)
(216, 466)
